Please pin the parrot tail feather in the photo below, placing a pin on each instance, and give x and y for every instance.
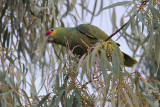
(129, 61)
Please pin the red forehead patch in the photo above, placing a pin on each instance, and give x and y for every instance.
(48, 33)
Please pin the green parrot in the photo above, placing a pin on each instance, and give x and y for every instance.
(79, 38)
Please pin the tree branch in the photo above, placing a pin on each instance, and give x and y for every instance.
(142, 4)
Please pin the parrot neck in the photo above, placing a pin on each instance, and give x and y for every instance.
(62, 35)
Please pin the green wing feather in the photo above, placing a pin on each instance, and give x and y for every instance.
(92, 31)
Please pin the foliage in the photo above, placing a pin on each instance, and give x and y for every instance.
(91, 80)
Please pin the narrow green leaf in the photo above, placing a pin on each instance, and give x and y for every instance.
(94, 9)
(128, 99)
(73, 3)
(118, 53)
(125, 28)
(88, 61)
(157, 49)
(103, 66)
(60, 95)
(94, 52)
(115, 64)
(122, 21)
(113, 20)
(70, 103)
(79, 100)
(146, 39)
(109, 77)
(132, 10)
(142, 28)
(5, 37)
(130, 77)
(53, 101)
(20, 72)
(113, 99)
(34, 105)
(109, 67)
(116, 4)
(82, 62)
(44, 99)
(10, 59)
(150, 100)
(155, 12)
(141, 18)
(77, 13)
(2, 76)
(26, 96)
(135, 98)
(116, 59)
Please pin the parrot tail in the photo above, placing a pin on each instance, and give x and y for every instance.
(129, 61)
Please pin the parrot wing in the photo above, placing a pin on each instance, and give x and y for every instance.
(92, 32)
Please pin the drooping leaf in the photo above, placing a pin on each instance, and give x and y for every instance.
(116, 4)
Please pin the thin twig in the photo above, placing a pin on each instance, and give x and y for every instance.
(115, 32)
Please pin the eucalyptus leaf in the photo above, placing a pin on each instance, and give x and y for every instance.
(43, 100)
(116, 4)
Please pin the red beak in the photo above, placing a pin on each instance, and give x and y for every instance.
(48, 33)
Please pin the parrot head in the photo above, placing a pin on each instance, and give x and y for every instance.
(50, 34)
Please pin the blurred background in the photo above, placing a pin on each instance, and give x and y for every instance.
(32, 71)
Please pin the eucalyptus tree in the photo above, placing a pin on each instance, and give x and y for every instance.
(70, 80)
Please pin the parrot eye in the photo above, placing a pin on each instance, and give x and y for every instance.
(52, 30)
